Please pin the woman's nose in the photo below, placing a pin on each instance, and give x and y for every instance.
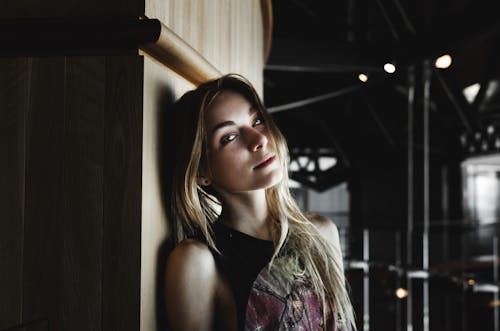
(256, 139)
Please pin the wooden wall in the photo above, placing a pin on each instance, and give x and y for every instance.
(81, 211)
(229, 35)
(70, 195)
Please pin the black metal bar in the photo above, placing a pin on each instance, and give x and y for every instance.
(404, 16)
(327, 96)
(462, 113)
(388, 20)
(75, 36)
(380, 125)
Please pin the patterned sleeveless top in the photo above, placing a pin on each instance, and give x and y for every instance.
(265, 298)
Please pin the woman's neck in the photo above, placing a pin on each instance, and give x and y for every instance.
(247, 212)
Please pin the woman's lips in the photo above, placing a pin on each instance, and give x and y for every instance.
(268, 161)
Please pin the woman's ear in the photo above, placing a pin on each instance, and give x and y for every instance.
(203, 181)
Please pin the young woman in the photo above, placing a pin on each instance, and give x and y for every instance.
(246, 257)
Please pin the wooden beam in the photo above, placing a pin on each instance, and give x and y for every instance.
(266, 8)
(104, 36)
(173, 52)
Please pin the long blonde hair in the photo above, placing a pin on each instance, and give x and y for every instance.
(193, 210)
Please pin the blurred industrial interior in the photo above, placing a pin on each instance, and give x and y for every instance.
(402, 151)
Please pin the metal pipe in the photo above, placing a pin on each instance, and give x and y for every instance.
(350, 21)
(398, 279)
(454, 101)
(445, 210)
(380, 125)
(405, 18)
(312, 100)
(409, 233)
(388, 20)
(366, 281)
(427, 75)
(496, 316)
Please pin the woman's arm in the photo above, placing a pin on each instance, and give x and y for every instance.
(190, 289)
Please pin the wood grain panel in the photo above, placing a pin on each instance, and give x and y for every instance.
(43, 244)
(158, 96)
(229, 34)
(122, 193)
(82, 192)
(14, 85)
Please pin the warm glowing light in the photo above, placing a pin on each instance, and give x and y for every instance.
(494, 303)
(401, 293)
(389, 68)
(363, 78)
(443, 61)
(471, 281)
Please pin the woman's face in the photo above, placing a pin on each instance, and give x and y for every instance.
(241, 152)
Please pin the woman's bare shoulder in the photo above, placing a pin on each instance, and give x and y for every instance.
(191, 253)
(190, 286)
(324, 224)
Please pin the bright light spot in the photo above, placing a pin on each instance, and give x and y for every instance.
(389, 68)
(471, 281)
(494, 303)
(363, 78)
(326, 162)
(294, 166)
(443, 61)
(310, 166)
(303, 161)
(491, 129)
(471, 91)
(401, 293)
(463, 139)
(294, 184)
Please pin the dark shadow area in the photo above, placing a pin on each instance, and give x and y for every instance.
(38, 325)
(166, 141)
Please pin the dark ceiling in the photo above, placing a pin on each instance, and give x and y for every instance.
(319, 47)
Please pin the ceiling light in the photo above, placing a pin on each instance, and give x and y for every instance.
(303, 161)
(294, 166)
(389, 68)
(401, 293)
(326, 162)
(363, 78)
(443, 61)
(471, 91)
(471, 281)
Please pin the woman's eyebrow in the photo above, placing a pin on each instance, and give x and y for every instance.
(222, 125)
(251, 111)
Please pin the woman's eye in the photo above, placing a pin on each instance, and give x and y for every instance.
(227, 138)
(258, 121)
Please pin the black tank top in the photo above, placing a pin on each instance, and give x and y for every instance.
(267, 298)
(243, 257)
